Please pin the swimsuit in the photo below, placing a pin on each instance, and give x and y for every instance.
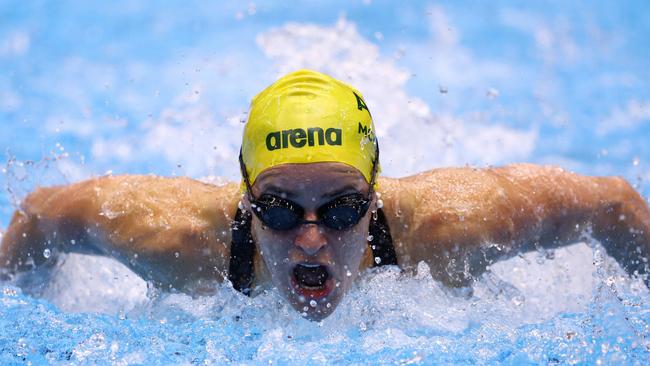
(242, 249)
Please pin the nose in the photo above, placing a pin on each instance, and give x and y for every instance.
(310, 237)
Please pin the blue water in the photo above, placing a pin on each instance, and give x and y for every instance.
(138, 87)
(390, 318)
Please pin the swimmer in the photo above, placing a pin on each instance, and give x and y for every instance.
(311, 212)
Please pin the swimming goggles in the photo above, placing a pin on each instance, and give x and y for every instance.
(282, 214)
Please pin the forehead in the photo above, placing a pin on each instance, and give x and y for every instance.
(313, 177)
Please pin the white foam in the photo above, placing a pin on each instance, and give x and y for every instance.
(525, 289)
(85, 283)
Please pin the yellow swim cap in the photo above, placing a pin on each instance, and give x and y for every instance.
(308, 117)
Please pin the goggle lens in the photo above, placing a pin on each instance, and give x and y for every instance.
(277, 213)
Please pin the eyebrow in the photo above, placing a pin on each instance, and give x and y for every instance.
(341, 190)
(271, 189)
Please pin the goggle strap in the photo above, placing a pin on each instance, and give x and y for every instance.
(244, 173)
(374, 172)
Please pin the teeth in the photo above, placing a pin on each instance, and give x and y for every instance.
(312, 287)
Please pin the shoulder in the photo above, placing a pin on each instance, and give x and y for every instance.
(140, 201)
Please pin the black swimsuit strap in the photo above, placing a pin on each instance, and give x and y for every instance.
(242, 248)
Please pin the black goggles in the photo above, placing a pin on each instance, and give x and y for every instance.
(279, 213)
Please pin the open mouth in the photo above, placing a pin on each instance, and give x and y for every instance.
(312, 280)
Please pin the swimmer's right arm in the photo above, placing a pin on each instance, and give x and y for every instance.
(168, 230)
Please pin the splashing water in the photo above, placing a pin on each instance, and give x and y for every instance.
(577, 308)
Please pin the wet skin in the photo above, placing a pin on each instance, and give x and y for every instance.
(340, 252)
(175, 232)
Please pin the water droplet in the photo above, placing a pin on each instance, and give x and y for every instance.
(377, 260)
(636, 161)
(518, 300)
(348, 273)
(313, 303)
(73, 242)
(370, 237)
(380, 203)
(550, 254)
(177, 254)
(492, 93)
(328, 305)
(47, 253)
(252, 8)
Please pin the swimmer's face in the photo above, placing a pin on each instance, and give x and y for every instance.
(312, 265)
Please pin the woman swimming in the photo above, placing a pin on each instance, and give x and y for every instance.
(311, 218)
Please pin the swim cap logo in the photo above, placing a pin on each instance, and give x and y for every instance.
(361, 105)
(298, 138)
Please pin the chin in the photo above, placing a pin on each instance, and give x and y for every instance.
(322, 309)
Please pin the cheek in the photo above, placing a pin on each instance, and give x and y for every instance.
(272, 246)
(351, 246)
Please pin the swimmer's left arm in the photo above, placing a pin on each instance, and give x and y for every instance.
(462, 220)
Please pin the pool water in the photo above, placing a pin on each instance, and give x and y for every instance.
(135, 87)
(576, 308)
